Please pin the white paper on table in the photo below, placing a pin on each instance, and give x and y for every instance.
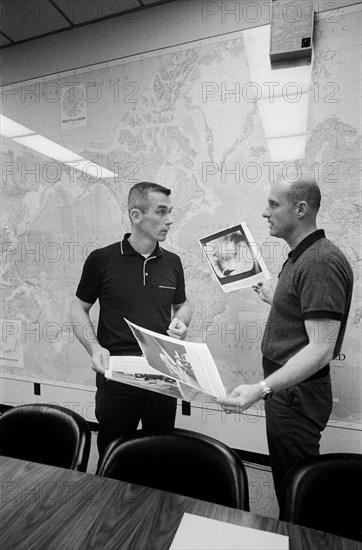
(200, 533)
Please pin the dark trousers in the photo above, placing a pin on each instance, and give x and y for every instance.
(120, 407)
(295, 419)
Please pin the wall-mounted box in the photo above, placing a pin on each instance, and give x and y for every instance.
(291, 30)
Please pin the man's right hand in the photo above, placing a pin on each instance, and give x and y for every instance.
(265, 291)
(100, 360)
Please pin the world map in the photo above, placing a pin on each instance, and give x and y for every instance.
(189, 118)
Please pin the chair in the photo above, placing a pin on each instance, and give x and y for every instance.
(180, 461)
(46, 433)
(324, 493)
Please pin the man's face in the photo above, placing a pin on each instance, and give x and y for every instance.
(156, 221)
(280, 213)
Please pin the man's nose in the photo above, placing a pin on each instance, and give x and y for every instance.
(266, 213)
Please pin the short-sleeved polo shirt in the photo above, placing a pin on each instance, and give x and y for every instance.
(316, 282)
(130, 286)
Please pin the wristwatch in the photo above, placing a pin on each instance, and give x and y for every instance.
(267, 392)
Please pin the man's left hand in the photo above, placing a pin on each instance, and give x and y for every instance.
(177, 329)
(241, 398)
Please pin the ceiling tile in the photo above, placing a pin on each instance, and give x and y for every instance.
(82, 11)
(22, 19)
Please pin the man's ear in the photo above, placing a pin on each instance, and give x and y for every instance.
(303, 208)
(135, 215)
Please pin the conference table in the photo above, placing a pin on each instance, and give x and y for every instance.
(50, 508)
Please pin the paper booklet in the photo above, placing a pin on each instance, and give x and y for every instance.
(234, 258)
(185, 370)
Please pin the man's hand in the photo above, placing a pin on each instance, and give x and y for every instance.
(265, 291)
(177, 329)
(100, 360)
(241, 398)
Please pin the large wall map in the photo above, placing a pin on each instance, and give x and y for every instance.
(188, 119)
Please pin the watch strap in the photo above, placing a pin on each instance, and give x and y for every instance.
(267, 392)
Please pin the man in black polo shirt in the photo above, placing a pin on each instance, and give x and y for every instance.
(138, 280)
(304, 331)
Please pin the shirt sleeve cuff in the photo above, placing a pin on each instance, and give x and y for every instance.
(320, 314)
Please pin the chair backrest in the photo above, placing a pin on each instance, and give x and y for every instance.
(180, 461)
(324, 493)
(46, 433)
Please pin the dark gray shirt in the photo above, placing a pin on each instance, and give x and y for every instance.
(316, 282)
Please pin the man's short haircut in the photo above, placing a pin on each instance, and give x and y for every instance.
(138, 194)
(305, 189)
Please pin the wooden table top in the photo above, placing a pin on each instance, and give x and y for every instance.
(48, 508)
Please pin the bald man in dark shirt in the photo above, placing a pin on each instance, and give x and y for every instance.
(304, 331)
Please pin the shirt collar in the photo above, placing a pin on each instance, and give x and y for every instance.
(128, 250)
(306, 243)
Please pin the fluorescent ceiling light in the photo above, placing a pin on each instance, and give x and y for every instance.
(287, 148)
(284, 97)
(9, 128)
(48, 148)
(282, 118)
(91, 169)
